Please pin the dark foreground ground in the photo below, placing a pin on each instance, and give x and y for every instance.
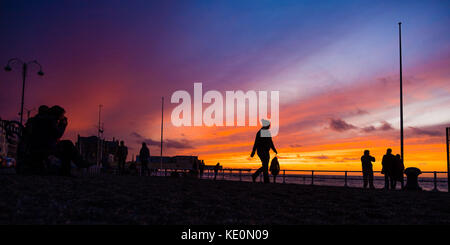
(160, 200)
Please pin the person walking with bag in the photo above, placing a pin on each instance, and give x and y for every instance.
(263, 144)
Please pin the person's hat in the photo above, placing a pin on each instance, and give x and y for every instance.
(265, 122)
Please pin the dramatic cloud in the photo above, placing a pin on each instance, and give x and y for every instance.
(340, 125)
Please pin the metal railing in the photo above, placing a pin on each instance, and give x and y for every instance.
(300, 176)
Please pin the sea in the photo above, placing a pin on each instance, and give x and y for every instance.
(354, 180)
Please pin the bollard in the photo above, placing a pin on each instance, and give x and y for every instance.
(312, 177)
(412, 182)
(240, 175)
(284, 176)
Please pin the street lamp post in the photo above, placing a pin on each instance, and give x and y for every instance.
(24, 75)
(401, 91)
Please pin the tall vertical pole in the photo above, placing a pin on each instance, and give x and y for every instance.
(24, 74)
(162, 123)
(401, 91)
(447, 132)
(98, 135)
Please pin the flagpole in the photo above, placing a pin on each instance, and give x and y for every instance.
(401, 91)
(162, 123)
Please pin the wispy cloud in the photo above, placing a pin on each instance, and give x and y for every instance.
(385, 126)
(432, 133)
(340, 125)
(321, 157)
(368, 129)
(361, 112)
(169, 143)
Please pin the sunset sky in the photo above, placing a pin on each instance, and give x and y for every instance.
(335, 63)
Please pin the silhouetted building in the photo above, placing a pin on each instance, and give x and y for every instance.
(88, 148)
(9, 138)
(3, 141)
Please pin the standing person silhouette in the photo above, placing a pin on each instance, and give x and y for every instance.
(195, 166)
(122, 153)
(263, 144)
(388, 163)
(144, 156)
(201, 168)
(216, 170)
(398, 170)
(28, 140)
(367, 169)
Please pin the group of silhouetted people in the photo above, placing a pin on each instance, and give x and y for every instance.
(392, 168)
(144, 158)
(198, 168)
(41, 150)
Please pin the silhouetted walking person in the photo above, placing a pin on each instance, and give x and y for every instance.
(388, 163)
(398, 169)
(263, 144)
(275, 168)
(367, 169)
(122, 153)
(144, 156)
